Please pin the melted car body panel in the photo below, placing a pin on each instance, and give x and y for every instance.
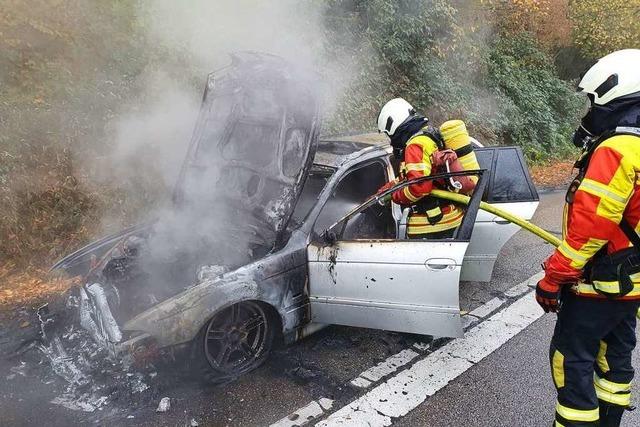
(253, 144)
(258, 190)
(278, 280)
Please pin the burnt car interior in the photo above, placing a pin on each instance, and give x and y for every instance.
(373, 221)
(353, 189)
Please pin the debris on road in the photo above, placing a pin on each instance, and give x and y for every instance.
(164, 405)
(19, 369)
(84, 376)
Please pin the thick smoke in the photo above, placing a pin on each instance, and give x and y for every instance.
(205, 228)
(195, 40)
(206, 31)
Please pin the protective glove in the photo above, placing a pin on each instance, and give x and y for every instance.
(439, 161)
(387, 186)
(548, 295)
(386, 199)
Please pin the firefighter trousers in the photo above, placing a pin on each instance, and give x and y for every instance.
(590, 356)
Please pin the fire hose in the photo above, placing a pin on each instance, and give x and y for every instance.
(543, 234)
(385, 194)
(461, 198)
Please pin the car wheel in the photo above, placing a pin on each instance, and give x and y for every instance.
(237, 340)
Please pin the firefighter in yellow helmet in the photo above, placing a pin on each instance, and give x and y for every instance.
(593, 278)
(423, 151)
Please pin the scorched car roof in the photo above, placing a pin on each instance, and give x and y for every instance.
(334, 153)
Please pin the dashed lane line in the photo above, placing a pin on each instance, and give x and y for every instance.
(405, 391)
(305, 414)
(314, 410)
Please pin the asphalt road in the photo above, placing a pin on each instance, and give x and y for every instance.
(511, 386)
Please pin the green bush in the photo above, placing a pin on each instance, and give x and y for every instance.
(508, 91)
(539, 111)
(395, 43)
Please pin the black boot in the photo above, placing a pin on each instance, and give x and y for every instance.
(610, 415)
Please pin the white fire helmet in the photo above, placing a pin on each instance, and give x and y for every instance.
(614, 76)
(393, 114)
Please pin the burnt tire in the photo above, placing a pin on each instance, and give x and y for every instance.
(235, 341)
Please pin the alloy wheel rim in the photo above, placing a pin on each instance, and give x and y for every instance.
(236, 337)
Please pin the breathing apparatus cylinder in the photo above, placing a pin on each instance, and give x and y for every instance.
(456, 138)
(455, 135)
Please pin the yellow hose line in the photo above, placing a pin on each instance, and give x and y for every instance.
(460, 198)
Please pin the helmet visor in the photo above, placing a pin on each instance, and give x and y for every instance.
(587, 105)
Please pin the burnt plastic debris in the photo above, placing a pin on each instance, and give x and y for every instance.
(164, 405)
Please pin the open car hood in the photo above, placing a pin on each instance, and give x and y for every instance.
(249, 156)
(253, 145)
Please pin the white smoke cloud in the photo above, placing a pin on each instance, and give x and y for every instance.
(207, 30)
(151, 135)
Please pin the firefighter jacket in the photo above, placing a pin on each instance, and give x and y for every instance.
(607, 194)
(429, 215)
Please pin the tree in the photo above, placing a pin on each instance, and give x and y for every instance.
(602, 27)
(548, 20)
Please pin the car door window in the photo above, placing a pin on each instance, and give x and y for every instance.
(511, 189)
(510, 180)
(352, 190)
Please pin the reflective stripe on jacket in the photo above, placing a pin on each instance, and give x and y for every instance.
(607, 193)
(417, 163)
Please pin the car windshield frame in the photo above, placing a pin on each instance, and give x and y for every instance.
(299, 223)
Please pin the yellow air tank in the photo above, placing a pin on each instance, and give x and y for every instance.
(456, 138)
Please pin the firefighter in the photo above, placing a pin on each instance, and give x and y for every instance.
(592, 280)
(423, 151)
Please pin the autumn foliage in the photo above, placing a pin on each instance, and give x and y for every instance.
(70, 68)
(600, 27)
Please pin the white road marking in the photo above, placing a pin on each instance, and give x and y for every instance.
(386, 367)
(487, 308)
(367, 378)
(305, 415)
(525, 286)
(421, 346)
(403, 392)
(361, 382)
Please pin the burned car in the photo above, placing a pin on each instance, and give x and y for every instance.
(273, 235)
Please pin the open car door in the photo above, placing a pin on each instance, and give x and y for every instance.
(510, 188)
(398, 285)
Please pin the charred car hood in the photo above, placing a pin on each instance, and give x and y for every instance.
(250, 153)
(251, 149)
(253, 145)
(78, 262)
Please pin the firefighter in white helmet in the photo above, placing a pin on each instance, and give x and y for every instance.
(423, 151)
(593, 278)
